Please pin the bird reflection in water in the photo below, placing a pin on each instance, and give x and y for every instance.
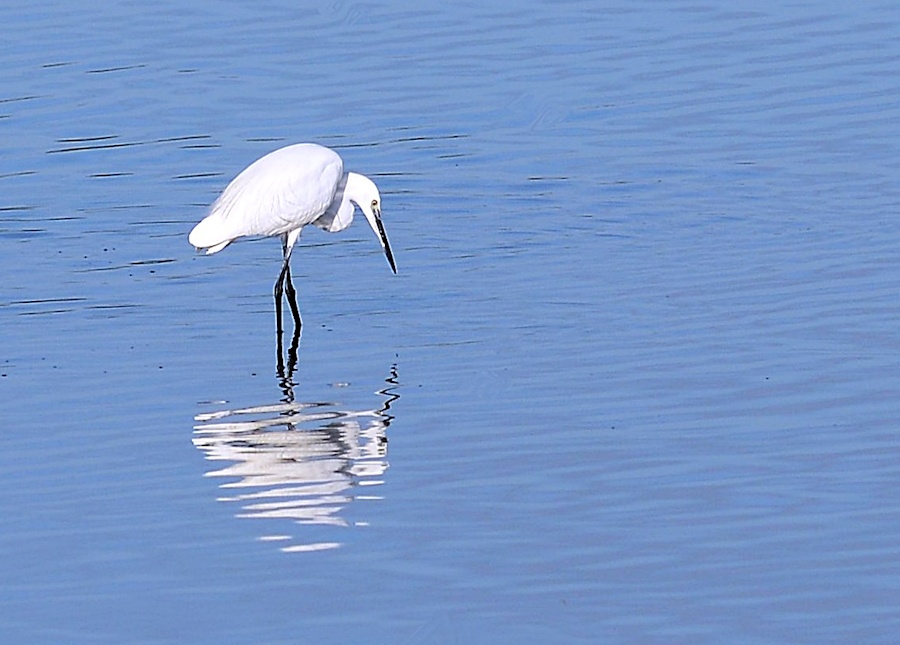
(299, 461)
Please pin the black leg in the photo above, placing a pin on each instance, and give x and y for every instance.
(284, 285)
(292, 299)
(279, 286)
(278, 291)
(279, 348)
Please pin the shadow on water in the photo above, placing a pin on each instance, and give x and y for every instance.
(299, 461)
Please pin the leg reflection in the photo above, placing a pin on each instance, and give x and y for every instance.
(285, 368)
(301, 464)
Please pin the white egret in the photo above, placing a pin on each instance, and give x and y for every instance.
(281, 193)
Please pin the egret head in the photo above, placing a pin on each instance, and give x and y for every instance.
(363, 192)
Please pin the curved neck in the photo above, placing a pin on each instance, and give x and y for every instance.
(359, 188)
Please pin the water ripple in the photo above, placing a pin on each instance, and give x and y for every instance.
(303, 462)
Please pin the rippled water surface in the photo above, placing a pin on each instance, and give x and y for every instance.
(635, 382)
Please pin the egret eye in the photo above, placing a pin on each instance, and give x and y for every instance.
(374, 203)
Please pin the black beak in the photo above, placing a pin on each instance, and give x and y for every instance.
(385, 243)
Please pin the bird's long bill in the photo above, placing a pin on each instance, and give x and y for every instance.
(382, 236)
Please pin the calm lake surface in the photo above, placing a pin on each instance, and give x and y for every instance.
(635, 382)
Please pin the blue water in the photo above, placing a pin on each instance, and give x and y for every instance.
(635, 381)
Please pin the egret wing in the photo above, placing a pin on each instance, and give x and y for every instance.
(280, 192)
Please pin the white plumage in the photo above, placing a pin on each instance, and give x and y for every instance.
(281, 193)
